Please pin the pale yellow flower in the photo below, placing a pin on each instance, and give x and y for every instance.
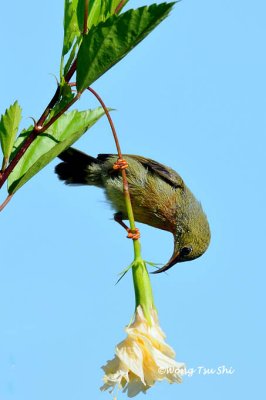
(142, 358)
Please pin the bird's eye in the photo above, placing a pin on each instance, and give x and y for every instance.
(185, 251)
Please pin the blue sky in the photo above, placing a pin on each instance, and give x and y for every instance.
(191, 96)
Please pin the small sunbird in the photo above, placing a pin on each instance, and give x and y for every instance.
(158, 194)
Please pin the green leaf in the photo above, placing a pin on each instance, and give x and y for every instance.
(94, 13)
(71, 58)
(74, 24)
(62, 134)
(72, 36)
(66, 95)
(114, 4)
(71, 28)
(98, 11)
(110, 41)
(9, 124)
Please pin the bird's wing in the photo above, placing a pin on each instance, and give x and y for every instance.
(165, 173)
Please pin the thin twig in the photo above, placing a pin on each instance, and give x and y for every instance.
(40, 123)
(71, 71)
(38, 129)
(86, 13)
(120, 6)
(61, 112)
(7, 200)
(39, 126)
(55, 97)
(48, 109)
(109, 119)
(4, 164)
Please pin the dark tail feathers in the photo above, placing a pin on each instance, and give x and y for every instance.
(74, 168)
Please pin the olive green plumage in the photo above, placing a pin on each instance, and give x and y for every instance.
(159, 197)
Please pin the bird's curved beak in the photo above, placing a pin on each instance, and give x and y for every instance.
(173, 260)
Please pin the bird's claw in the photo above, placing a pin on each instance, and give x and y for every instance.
(133, 233)
(120, 164)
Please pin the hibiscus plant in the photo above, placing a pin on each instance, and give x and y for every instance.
(97, 35)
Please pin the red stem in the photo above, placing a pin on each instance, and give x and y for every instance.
(39, 128)
(120, 6)
(7, 200)
(86, 13)
(123, 171)
(109, 119)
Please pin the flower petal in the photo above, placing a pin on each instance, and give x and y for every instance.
(142, 358)
(130, 353)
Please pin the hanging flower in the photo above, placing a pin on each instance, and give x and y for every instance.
(142, 358)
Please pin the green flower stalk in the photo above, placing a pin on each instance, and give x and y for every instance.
(142, 287)
(141, 279)
(143, 357)
(142, 284)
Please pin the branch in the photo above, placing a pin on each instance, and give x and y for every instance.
(38, 129)
(56, 96)
(120, 6)
(7, 200)
(39, 126)
(85, 22)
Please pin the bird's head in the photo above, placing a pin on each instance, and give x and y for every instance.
(191, 237)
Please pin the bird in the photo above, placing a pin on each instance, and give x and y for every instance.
(159, 197)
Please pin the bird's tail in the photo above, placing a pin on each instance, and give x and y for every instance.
(75, 168)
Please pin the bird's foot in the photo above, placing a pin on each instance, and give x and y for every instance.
(118, 217)
(133, 233)
(120, 164)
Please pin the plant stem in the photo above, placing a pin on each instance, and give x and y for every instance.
(109, 119)
(137, 250)
(141, 279)
(85, 22)
(4, 164)
(7, 200)
(4, 173)
(55, 97)
(38, 129)
(142, 287)
(120, 6)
